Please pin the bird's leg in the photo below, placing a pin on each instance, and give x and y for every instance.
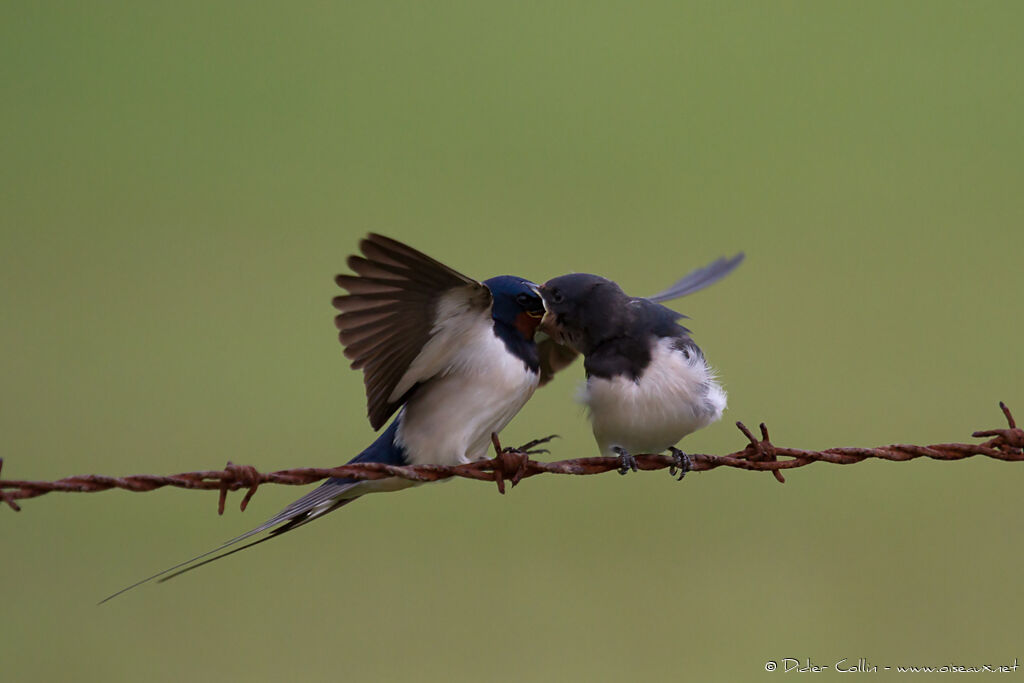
(511, 463)
(626, 461)
(679, 460)
(529, 449)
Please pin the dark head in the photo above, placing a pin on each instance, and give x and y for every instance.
(516, 304)
(582, 310)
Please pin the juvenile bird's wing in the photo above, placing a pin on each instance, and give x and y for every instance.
(403, 319)
(555, 356)
(699, 279)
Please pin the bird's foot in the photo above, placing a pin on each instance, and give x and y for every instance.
(530, 447)
(680, 461)
(626, 461)
(512, 463)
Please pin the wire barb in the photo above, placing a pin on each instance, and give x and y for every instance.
(5, 496)
(514, 465)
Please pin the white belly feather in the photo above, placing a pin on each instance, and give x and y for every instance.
(449, 419)
(677, 394)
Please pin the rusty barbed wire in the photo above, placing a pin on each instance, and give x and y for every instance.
(514, 465)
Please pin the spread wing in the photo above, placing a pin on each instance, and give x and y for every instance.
(402, 318)
(555, 356)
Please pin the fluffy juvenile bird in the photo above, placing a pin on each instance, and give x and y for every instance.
(648, 384)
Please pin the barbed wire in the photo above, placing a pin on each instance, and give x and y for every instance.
(514, 465)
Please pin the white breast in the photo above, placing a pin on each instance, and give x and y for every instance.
(449, 419)
(677, 394)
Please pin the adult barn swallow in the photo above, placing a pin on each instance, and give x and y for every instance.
(648, 384)
(455, 358)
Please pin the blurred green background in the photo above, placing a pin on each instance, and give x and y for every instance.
(179, 183)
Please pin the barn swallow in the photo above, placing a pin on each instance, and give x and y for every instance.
(648, 384)
(455, 358)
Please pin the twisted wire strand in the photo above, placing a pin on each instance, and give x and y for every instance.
(514, 465)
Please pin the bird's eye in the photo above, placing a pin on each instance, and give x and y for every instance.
(524, 300)
(556, 297)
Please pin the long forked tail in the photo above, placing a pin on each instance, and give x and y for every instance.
(325, 498)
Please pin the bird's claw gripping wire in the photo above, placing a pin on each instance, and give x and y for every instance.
(680, 461)
(511, 463)
(626, 461)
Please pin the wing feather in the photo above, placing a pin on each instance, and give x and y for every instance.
(398, 302)
(698, 279)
